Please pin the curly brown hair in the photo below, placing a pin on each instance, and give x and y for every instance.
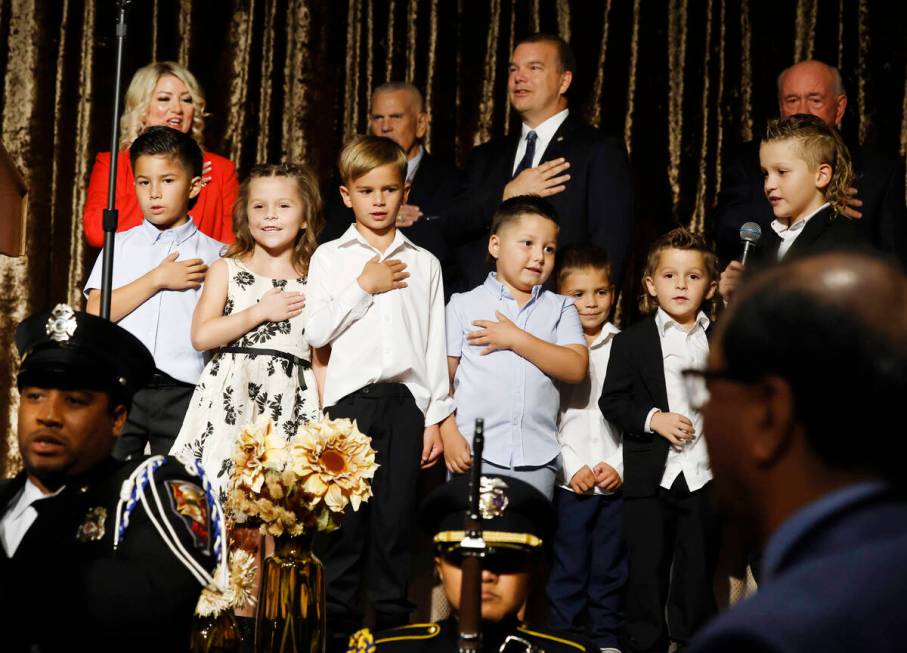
(679, 238)
(307, 186)
(817, 143)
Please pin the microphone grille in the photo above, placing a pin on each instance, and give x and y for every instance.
(750, 232)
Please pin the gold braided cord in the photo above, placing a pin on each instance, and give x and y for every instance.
(805, 32)
(185, 30)
(491, 537)
(58, 116)
(369, 53)
(154, 28)
(411, 19)
(351, 86)
(697, 223)
(903, 149)
(677, 54)
(840, 34)
(432, 57)
(267, 80)
(241, 30)
(631, 83)
(486, 104)
(746, 72)
(536, 17)
(719, 103)
(598, 88)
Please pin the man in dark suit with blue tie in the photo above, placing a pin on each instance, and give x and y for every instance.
(800, 399)
(582, 172)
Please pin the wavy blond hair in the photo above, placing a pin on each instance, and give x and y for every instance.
(817, 143)
(307, 186)
(679, 238)
(138, 99)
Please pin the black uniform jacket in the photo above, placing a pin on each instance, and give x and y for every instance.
(67, 589)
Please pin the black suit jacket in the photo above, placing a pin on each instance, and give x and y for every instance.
(63, 594)
(433, 188)
(825, 231)
(879, 180)
(596, 207)
(634, 384)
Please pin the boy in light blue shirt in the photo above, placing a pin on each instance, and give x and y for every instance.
(508, 342)
(158, 268)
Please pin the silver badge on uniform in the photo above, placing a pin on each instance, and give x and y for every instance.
(492, 499)
(92, 527)
(61, 324)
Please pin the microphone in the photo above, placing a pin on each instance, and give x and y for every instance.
(749, 235)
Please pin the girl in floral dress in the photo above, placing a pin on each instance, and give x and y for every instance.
(251, 314)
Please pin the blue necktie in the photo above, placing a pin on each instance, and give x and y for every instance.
(526, 161)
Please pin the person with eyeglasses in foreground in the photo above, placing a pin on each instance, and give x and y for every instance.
(671, 532)
(805, 370)
(518, 522)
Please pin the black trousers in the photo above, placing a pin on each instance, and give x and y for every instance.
(672, 539)
(372, 551)
(156, 417)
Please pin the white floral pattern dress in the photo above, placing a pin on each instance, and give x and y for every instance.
(266, 371)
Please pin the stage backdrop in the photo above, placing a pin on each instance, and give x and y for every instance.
(680, 80)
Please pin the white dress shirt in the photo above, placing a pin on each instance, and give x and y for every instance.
(586, 437)
(683, 350)
(164, 321)
(544, 132)
(20, 516)
(788, 234)
(391, 337)
(412, 165)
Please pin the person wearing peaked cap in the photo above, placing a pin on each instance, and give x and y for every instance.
(517, 522)
(105, 573)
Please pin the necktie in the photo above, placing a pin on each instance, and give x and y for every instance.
(526, 161)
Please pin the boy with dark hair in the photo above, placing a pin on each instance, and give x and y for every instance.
(669, 527)
(377, 300)
(589, 567)
(158, 269)
(508, 341)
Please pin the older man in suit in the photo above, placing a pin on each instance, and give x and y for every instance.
(878, 201)
(583, 173)
(807, 455)
(398, 113)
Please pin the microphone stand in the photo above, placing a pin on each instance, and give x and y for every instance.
(111, 216)
(473, 549)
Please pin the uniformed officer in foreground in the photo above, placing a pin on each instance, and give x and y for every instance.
(95, 554)
(517, 521)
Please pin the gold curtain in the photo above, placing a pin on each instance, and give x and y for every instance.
(681, 80)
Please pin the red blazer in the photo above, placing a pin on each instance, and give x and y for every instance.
(212, 211)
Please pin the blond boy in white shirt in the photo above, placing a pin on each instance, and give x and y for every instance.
(377, 300)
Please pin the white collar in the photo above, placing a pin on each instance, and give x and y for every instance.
(781, 228)
(608, 331)
(29, 494)
(665, 322)
(352, 235)
(546, 129)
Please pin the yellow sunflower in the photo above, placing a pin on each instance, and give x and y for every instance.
(259, 449)
(335, 462)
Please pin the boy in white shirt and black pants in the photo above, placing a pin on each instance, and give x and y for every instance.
(378, 301)
(669, 527)
(589, 566)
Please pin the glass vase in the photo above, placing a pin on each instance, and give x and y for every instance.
(218, 634)
(291, 600)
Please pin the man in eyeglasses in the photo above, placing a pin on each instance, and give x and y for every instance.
(518, 520)
(806, 376)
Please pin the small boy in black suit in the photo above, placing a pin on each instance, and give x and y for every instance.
(670, 531)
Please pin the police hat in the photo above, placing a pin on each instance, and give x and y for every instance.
(67, 349)
(514, 514)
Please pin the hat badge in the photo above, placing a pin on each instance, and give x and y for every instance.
(492, 499)
(61, 324)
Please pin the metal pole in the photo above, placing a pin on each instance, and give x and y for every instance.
(111, 216)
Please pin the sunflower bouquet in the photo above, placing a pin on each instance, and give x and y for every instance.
(303, 484)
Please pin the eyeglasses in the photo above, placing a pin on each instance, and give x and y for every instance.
(696, 384)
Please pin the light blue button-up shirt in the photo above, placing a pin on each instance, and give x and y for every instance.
(518, 401)
(164, 322)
